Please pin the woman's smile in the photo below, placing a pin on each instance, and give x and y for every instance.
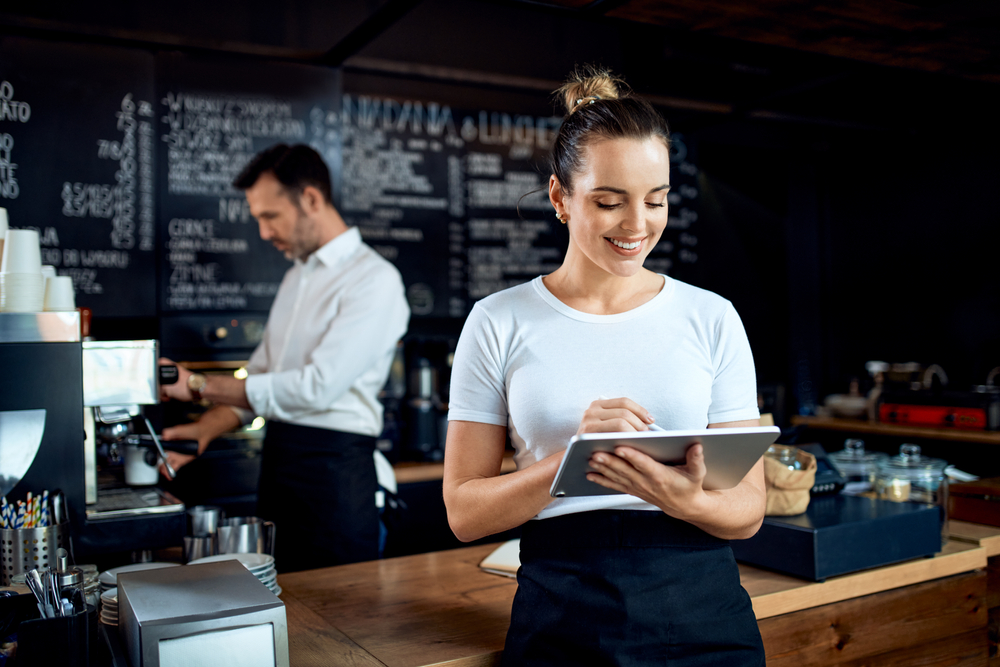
(624, 246)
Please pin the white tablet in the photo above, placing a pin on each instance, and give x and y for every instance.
(729, 455)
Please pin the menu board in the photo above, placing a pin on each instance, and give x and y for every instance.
(77, 159)
(457, 199)
(213, 116)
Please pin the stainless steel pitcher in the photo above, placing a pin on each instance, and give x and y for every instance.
(245, 534)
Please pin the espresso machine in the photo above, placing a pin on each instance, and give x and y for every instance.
(124, 511)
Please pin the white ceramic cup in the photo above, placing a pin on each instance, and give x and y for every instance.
(21, 252)
(49, 271)
(59, 293)
(138, 470)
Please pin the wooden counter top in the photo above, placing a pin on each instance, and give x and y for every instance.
(875, 428)
(441, 609)
(408, 472)
(988, 537)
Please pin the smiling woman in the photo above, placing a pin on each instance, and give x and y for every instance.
(644, 576)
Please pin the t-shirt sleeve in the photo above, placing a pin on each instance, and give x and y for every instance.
(477, 390)
(734, 389)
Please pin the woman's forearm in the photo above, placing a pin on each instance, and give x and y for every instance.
(733, 514)
(480, 501)
(483, 506)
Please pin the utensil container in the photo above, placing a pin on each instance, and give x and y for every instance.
(23, 549)
(67, 641)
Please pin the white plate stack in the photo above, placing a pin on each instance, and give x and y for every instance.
(22, 285)
(109, 607)
(260, 565)
(109, 578)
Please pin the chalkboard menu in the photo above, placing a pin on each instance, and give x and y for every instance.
(77, 155)
(458, 199)
(122, 160)
(213, 116)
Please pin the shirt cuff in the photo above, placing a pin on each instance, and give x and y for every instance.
(245, 416)
(475, 416)
(260, 393)
(733, 415)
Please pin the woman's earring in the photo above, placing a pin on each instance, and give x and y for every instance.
(560, 218)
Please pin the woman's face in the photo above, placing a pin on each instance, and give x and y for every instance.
(618, 208)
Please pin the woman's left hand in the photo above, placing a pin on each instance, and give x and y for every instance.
(674, 489)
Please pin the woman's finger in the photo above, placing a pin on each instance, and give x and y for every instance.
(624, 403)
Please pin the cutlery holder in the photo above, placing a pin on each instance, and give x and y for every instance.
(23, 549)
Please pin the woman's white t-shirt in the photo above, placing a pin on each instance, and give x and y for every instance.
(529, 362)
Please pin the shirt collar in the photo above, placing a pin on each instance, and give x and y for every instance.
(336, 250)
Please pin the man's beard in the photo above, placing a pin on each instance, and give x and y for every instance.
(302, 242)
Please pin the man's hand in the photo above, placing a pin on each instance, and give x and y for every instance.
(177, 391)
(192, 431)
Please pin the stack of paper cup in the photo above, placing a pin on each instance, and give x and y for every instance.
(22, 286)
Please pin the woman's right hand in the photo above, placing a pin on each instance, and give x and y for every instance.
(615, 414)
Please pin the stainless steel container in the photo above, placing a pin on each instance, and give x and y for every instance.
(23, 549)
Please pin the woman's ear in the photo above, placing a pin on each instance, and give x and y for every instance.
(556, 195)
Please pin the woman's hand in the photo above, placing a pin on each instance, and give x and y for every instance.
(677, 490)
(607, 415)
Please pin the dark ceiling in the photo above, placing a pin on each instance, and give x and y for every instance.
(853, 63)
(942, 36)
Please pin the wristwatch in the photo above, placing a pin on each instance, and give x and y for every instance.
(196, 383)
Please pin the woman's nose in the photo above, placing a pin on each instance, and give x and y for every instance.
(635, 219)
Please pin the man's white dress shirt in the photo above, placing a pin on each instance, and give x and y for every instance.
(330, 339)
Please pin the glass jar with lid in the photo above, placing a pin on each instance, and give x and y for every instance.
(786, 455)
(913, 477)
(858, 466)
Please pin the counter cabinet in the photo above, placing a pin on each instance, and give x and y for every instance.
(441, 609)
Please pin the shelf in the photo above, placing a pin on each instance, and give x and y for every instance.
(861, 426)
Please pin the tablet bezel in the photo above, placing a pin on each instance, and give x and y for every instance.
(730, 453)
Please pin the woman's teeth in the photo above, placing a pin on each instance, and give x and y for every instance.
(626, 246)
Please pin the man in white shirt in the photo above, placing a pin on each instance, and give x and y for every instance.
(326, 352)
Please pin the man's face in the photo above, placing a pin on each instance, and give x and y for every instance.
(282, 221)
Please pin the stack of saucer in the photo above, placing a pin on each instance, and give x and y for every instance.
(261, 565)
(109, 578)
(109, 607)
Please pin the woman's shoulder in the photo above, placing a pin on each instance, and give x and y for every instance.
(506, 301)
(697, 299)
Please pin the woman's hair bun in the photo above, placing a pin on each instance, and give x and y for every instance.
(588, 83)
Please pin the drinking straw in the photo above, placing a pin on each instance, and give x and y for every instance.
(45, 508)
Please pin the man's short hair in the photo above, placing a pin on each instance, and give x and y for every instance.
(295, 167)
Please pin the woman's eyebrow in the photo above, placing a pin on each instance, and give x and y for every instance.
(619, 191)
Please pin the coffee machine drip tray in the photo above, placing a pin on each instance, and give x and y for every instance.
(130, 502)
